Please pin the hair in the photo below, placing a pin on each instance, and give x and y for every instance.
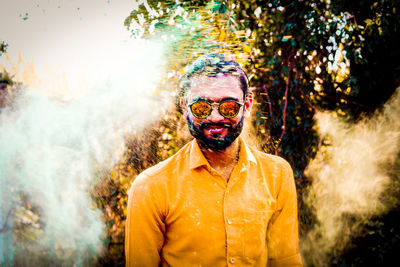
(213, 65)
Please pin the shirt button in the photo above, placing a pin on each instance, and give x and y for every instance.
(232, 260)
(230, 222)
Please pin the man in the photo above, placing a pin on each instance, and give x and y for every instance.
(217, 202)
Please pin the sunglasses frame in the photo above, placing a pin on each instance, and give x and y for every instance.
(211, 103)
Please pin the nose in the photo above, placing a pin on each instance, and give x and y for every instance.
(215, 116)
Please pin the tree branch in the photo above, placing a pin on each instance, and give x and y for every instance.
(269, 101)
(291, 66)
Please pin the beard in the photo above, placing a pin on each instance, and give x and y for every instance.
(214, 143)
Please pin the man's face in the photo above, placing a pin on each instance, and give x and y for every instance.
(216, 132)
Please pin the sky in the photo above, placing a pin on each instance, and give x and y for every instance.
(64, 44)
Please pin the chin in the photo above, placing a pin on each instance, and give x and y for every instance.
(215, 136)
(212, 143)
(215, 144)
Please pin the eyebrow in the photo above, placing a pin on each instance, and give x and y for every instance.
(218, 100)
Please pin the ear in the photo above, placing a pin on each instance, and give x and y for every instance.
(248, 104)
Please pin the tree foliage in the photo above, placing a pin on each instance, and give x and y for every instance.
(3, 47)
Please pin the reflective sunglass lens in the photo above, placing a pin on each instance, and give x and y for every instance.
(201, 109)
(229, 109)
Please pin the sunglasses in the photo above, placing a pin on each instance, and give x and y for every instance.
(202, 108)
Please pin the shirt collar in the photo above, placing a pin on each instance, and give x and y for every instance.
(197, 158)
(246, 155)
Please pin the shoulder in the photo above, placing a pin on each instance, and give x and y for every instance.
(158, 175)
(272, 161)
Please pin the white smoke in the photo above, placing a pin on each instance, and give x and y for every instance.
(350, 177)
(50, 149)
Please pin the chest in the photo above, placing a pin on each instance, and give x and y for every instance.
(209, 211)
(213, 217)
(206, 194)
(225, 171)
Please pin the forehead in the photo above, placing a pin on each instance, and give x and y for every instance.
(215, 88)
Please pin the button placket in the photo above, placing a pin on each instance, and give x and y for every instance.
(228, 224)
(231, 228)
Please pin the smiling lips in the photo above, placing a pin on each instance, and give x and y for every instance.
(216, 130)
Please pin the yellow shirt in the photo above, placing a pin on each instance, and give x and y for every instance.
(181, 212)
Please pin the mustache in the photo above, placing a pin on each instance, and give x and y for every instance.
(216, 124)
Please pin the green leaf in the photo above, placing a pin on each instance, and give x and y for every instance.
(285, 70)
(160, 25)
(107, 241)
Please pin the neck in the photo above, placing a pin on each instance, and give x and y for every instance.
(222, 159)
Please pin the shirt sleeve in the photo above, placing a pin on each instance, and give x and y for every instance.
(144, 228)
(283, 240)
